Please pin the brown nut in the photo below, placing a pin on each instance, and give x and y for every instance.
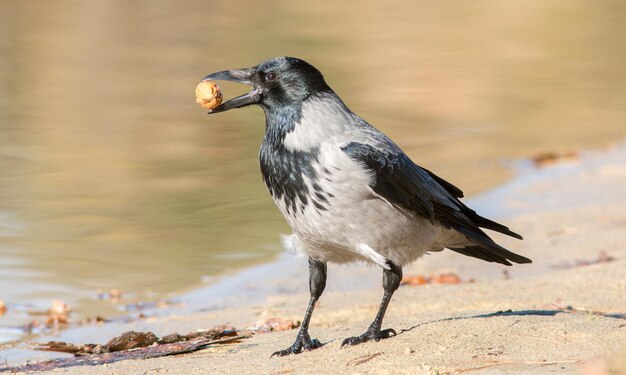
(208, 94)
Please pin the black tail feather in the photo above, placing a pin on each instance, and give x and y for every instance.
(483, 222)
(486, 249)
(480, 253)
(450, 188)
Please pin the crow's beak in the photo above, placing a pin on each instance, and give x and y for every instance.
(241, 76)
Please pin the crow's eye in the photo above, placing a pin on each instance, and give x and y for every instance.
(270, 76)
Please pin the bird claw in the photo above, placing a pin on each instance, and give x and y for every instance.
(369, 335)
(301, 344)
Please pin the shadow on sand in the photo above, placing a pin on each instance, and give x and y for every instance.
(552, 312)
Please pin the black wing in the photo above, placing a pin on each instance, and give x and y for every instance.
(407, 185)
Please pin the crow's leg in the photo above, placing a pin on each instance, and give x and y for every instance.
(391, 281)
(317, 283)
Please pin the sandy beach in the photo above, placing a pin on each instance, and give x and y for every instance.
(565, 313)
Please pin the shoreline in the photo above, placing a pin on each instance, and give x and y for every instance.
(551, 206)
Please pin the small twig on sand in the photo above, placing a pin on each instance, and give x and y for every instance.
(603, 257)
(572, 309)
(504, 363)
(362, 359)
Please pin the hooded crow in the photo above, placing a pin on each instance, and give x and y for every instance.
(348, 192)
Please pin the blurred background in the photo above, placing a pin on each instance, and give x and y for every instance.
(112, 177)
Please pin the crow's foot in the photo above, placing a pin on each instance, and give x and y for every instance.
(369, 335)
(303, 342)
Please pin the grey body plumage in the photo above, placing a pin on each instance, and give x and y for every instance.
(348, 192)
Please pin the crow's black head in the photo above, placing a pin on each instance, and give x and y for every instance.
(278, 82)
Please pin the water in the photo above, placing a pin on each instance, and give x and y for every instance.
(112, 177)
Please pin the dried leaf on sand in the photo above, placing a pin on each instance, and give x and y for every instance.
(549, 158)
(442, 278)
(275, 324)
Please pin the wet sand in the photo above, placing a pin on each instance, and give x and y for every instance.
(554, 316)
